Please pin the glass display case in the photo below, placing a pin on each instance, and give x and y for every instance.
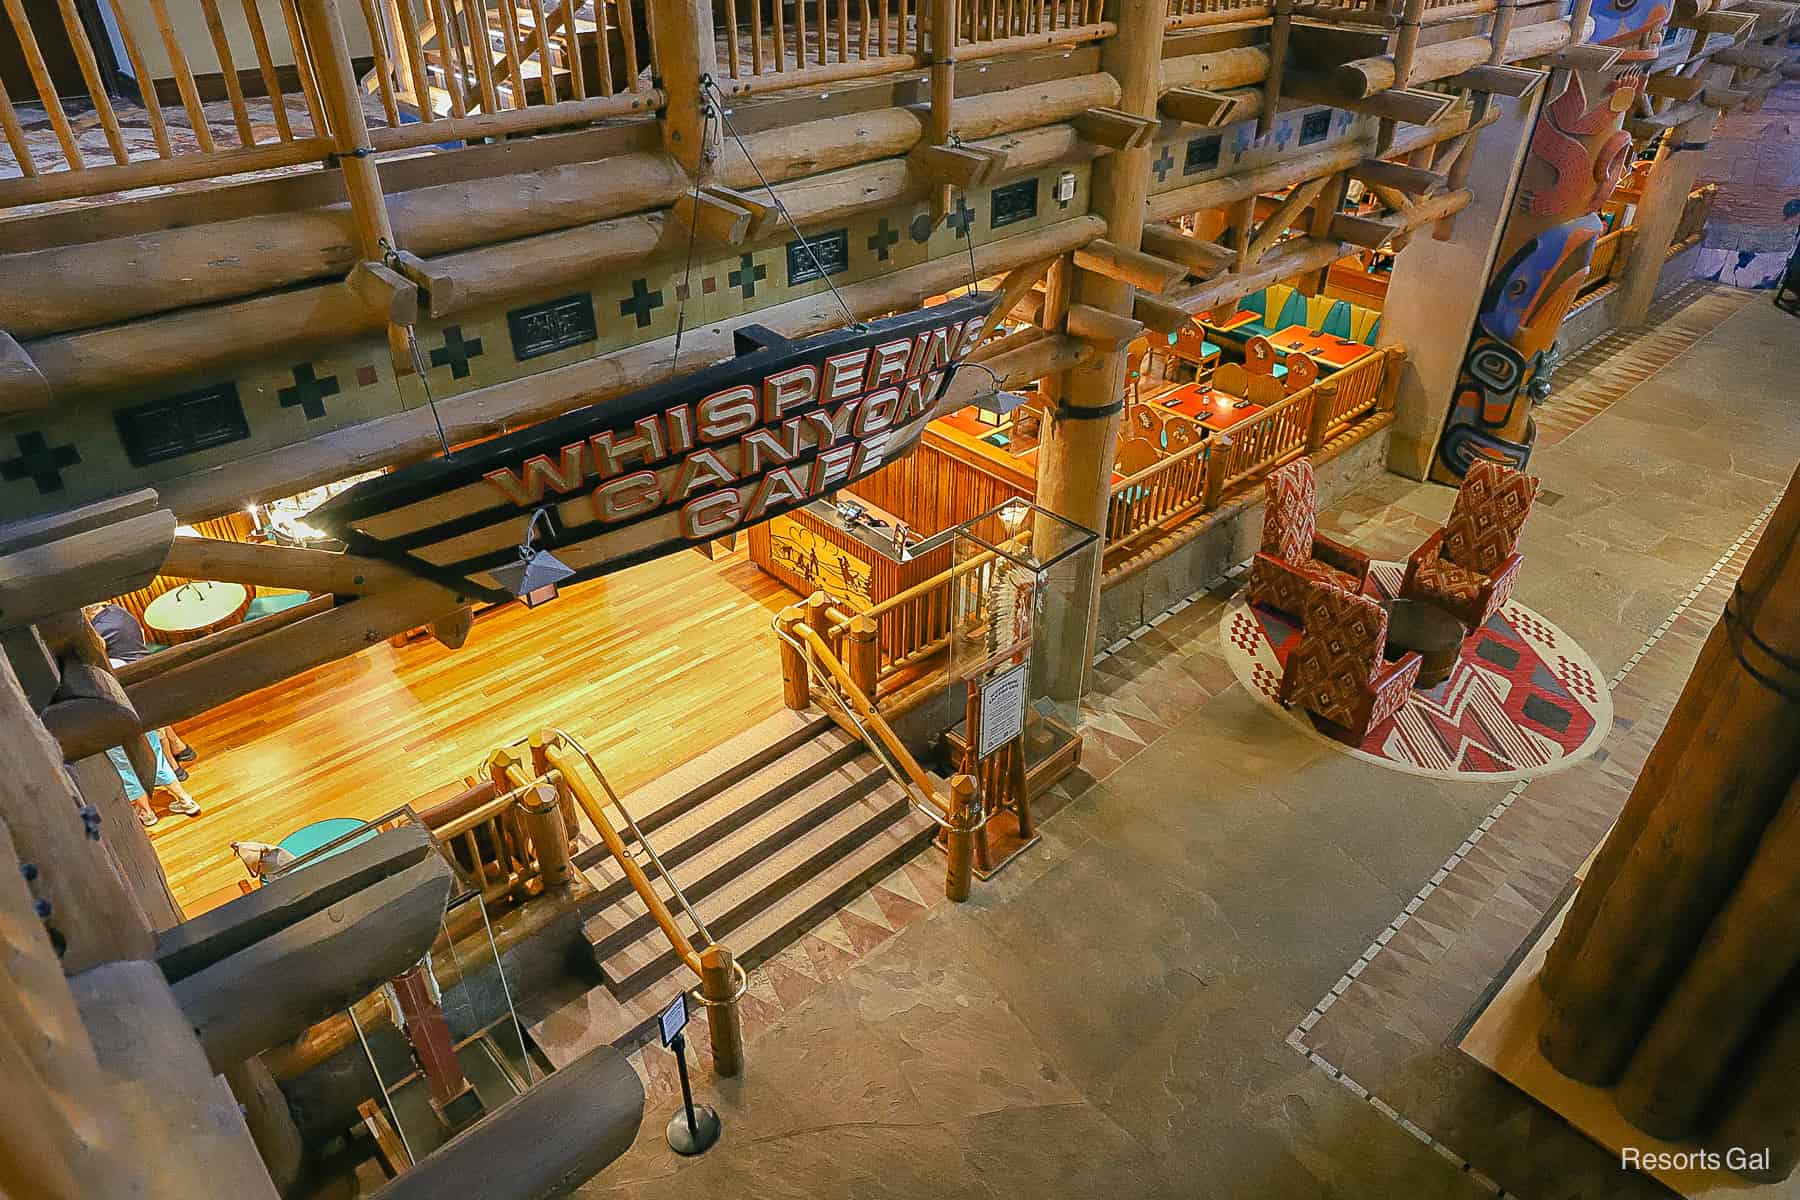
(1022, 603)
(442, 1039)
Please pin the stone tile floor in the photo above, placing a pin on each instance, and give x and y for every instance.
(1116, 1013)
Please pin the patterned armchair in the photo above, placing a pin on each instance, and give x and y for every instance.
(1469, 566)
(1338, 672)
(1294, 553)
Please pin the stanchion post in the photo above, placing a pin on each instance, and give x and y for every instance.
(718, 987)
(542, 810)
(860, 654)
(960, 839)
(796, 683)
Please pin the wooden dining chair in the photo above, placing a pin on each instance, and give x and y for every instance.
(1264, 390)
(1231, 378)
(1259, 356)
(1302, 371)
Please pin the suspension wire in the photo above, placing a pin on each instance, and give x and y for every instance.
(390, 258)
(706, 81)
(687, 277)
(412, 344)
(968, 232)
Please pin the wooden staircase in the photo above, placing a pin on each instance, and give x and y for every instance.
(767, 835)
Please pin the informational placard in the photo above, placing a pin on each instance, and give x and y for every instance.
(674, 1019)
(1002, 708)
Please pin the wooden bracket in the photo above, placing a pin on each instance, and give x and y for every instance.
(1377, 172)
(442, 296)
(1411, 106)
(1146, 272)
(1763, 58)
(452, 629)
(1586, 57)
(764, 217)
(1015, 288)
(712, 219)
(385, 291)
(1105, 331)
(1114, 128)
(1371, 233)
(1158, 314)
(1675, 87)
(1731, 24)
(1498, 80)
(1197, 106)
(959, 166)
(1723, 98)
(90, 713)
(1200, 257)
(23, 387)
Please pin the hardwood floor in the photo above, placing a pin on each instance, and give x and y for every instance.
(648, 668)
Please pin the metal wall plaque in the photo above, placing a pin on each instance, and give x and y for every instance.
(1014, 202)
(830, 255)
(539, 329)
(178, 425)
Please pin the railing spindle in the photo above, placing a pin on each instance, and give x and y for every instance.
(215, 25)
(481, 49)
(756, 40)
(46, 89)
(96, 87)
(731, 37)
(628, 36)
(265, 65)
(450, 62)
(843, 31)
(415, 56)
(384, 70)
(309, 83)
(572, 48)
(15, 135)
(799, 32)
(547, 67)
(509, 36)
(159, 129)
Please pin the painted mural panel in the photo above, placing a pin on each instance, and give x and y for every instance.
(1578, 152)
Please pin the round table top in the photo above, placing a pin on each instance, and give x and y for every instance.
(1423, 626)
(307, 838)
(193, 606)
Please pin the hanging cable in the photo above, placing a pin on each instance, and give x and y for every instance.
(968, 230)
(412, 344)
(706, 81)
(687, 277)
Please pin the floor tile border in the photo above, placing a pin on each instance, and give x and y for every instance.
(1296, 1039)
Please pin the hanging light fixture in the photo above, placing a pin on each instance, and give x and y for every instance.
(534, 577)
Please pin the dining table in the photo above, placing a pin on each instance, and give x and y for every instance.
(195, 609)
(1327, 349)
(1211, 407)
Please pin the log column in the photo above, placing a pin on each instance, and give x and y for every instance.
(1671, 178)
(1693, 886)
(1082, 429)
(686, 55)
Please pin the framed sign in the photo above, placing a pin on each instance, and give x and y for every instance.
(671, 466)
(1002, 709)
(674, 1019)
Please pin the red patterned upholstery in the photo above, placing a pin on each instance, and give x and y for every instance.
(1337, 672)
(1470, 565)
(1293, 554)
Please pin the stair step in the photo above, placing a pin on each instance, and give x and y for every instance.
(679, 792)
(568, 1020)
(728, 848)
(764, 907)
(678, 842)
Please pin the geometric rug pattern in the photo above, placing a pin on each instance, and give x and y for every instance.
(1522, 700)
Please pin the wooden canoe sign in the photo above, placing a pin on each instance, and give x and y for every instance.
(674, 465)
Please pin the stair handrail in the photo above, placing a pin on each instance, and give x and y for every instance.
(696, 961)
(875, 732)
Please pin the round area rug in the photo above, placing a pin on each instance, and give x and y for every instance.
(1522, 700)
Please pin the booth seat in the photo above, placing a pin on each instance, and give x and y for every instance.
(1279, 306)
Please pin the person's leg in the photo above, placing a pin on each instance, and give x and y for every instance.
(179, 750)
(182, 803)
(134, 791)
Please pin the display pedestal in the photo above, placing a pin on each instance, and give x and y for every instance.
(1052, 750)
(1504, 1038)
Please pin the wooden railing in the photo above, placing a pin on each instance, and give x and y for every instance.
(447, 70)
(1610, 253)
(281, 132)
(1191, 14)
(1163, 494)
(769, 45)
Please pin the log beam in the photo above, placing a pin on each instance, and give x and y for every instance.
(1371, 233)
(1103, 330)
(1675, 87)
(320, 572)
(1405, 179)
(1200, 257)
(52, 577)
(1285, 216)
(89, 714)
(276, 988)
(1146, 272)
(1159, 314)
